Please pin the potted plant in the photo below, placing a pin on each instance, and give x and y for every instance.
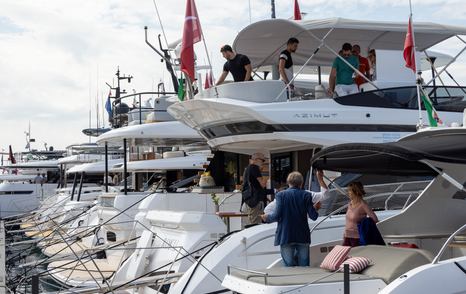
(216, 201)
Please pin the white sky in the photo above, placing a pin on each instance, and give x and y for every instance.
(56, 55)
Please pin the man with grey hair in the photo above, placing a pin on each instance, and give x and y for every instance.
(293, 206)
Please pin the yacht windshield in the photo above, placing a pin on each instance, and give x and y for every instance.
(443, 98)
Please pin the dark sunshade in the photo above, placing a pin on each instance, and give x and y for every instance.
(397, 158)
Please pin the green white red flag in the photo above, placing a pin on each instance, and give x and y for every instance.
(432, 115)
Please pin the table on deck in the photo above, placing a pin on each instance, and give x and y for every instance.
(227, 215)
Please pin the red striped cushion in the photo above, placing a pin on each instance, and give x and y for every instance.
(335, 257)
(356, 264)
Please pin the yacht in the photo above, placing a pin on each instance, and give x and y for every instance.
(244, 117)
(120, 221)
(21, 192)
(434, 244)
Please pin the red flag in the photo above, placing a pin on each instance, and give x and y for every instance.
(408, 51)
(208, 80)
(191, 35)
(297, 12)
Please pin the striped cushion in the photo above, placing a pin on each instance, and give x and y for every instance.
(356, 264)
(335, 257)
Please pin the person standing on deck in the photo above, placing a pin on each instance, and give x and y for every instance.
(285, 62)
(356, 211)
(293, 207)
(364, 66)
(254, 190)
(238, 64)
(341, 79)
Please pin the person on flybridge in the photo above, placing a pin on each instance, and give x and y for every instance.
(341, 80)
(238, 64)
(285, 62)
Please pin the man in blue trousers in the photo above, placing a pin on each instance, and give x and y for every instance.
(293, 206)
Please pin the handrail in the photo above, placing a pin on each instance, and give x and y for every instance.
(335, 212)
(437, 258)
(229, 196)
(390, 197)
(345, 206)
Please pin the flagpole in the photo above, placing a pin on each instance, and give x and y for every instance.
(418, 73)
(207, 53)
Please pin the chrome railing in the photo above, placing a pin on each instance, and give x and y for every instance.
(445, 245)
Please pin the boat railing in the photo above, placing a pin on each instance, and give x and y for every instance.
(386, 195)
(447, 243)
(408, 194)
(262, 91)
(236, 192)
(135, 108)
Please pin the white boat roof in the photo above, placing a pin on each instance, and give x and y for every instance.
(80, 158)
(441, 59)
(196, 162)
(168, 133)
(10, 177)
(53, 163)
(264, 40)
(94, 167)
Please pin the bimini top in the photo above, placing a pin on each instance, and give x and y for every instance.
(263, 41)
(45, 164)
(93, 167)
(397, 158)
(168, 133)
(192, 162)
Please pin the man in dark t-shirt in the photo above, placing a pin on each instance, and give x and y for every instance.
(285, 62)
(238, 65)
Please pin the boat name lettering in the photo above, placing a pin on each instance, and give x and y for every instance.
(315, 115)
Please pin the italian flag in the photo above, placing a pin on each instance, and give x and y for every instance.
(432, 115)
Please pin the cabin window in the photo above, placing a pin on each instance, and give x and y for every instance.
(111, 236)
(15, 192)
(443, 98)
(282, 165)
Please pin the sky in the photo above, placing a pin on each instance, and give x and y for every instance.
(56, 56)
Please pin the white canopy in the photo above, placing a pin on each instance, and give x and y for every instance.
(264, 40)
(45, 164)
(94, 167)
(80, 158)
(11, 177)
(441, 59)
(168, 133)
(196, 162)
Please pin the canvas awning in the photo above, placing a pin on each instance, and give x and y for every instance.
(398, 158)
(159, 133)
(193, 162)
(94, 167)
(264, 40)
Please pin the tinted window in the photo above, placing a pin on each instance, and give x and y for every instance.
(443, 98)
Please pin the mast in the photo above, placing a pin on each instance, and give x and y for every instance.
(418, 72)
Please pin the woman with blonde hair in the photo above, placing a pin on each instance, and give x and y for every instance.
(357, 210)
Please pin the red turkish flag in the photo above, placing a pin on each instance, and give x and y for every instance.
(297, 12)
(208, 80)
(192, 34)
(408, 51)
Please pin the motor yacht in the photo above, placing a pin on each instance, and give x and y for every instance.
(436, 152)
(243, 117)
